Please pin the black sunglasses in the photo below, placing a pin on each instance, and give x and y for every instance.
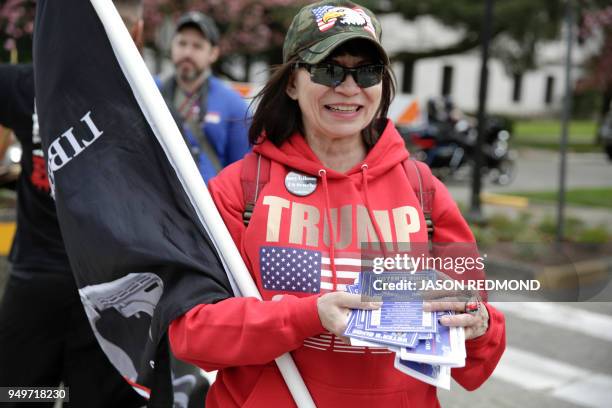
(328, 74)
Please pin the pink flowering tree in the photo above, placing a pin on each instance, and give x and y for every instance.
(16, 24)
(253, 29)
(597, 22)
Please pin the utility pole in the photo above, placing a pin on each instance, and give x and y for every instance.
(567, 112)
(475, 214)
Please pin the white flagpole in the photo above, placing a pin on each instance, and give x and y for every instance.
(154, 108)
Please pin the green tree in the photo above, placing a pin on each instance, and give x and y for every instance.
(255, 29)
(596, 22)
(518, 25)
(251, 29)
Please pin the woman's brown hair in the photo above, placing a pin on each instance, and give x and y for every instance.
(277, 116)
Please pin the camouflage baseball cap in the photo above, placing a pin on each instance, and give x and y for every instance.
(321, 27)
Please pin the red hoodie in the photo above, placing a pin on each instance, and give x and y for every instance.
(287, 249)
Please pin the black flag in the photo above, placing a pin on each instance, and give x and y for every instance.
(140, 255)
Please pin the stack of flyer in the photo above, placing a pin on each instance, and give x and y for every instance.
(424, 348)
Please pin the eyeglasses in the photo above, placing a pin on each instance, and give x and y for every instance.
(333, 75)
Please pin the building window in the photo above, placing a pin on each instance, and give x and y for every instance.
(447, 80)
(550, 87)
(518, 87)
(407, 77)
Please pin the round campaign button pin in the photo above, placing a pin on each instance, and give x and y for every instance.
(300, 184)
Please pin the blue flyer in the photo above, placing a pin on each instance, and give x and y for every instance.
(436, 375)
(401, 339)
(401, 317)
(443, 348)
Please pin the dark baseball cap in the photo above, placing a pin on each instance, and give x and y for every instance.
(202, 22)
(321, 27)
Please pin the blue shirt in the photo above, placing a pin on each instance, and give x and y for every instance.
(225, 126)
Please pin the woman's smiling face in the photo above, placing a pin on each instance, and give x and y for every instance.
(340, 112)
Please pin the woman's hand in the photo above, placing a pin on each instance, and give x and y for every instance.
(475, 324)
(334, 310)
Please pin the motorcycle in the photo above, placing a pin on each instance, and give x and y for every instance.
(500, 160)
(447, 143)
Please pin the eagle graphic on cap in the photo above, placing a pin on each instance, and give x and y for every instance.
(330, 16)
(346, 15)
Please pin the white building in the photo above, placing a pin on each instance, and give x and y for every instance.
(535, 93)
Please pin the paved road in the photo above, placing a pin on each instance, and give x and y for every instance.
(537, 170)
(548, 362)
(559, 355)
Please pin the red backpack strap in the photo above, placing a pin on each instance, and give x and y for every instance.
(254, 175)
(422, 182)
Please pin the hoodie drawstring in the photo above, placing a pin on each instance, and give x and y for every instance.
(364, 174)
(332, 235)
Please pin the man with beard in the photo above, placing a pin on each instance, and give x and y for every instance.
(214, 116)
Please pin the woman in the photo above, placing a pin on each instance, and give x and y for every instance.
(336, 176)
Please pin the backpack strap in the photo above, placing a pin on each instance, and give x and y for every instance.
(422, 182)
(254, 175)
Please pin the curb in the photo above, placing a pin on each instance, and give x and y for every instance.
(7, 232)
(505, 200)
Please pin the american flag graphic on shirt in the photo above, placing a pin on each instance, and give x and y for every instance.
(309, 271)
(304, 270)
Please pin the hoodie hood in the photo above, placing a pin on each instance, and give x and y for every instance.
(295, 153)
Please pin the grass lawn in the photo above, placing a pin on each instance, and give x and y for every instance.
(591, 197)
(546, 134)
